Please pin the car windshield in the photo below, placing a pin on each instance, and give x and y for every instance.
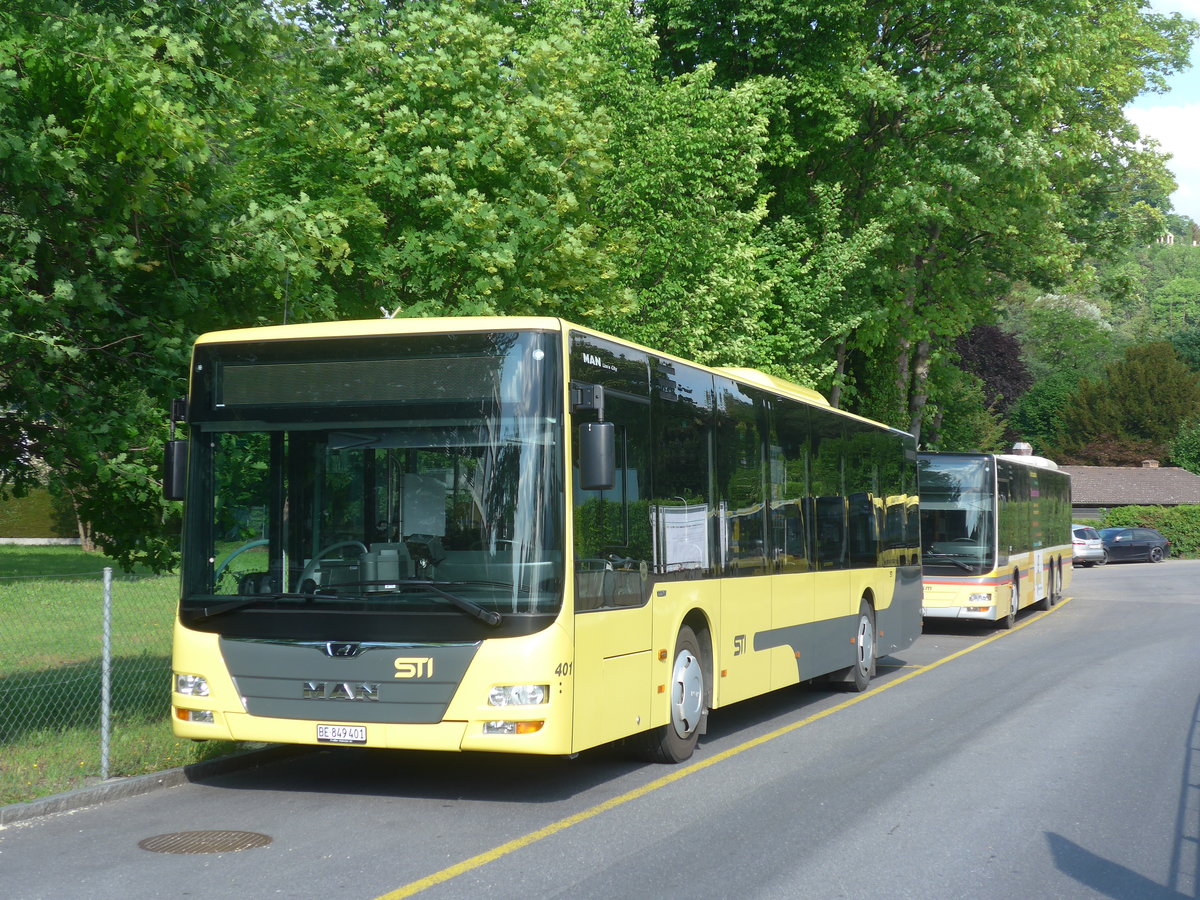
(412, 520)
(957, 514)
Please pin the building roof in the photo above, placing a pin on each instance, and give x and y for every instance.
(1132, 486)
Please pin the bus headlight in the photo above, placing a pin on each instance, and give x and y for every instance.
(512, 727)
(203, 716)
(518, 695)
(191, 685)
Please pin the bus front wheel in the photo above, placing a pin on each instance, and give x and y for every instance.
(1014, 601)
(864, 644)
(675, 741)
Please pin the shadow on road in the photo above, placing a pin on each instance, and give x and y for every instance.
(1111, 879)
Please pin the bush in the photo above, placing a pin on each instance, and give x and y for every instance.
(1179, 524)
(36, 515)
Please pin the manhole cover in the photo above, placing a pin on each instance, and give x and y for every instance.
(204, 842)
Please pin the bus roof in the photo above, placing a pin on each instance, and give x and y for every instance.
(439, 325)
(1021, 459)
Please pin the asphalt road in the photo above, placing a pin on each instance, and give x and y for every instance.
(1061, 759)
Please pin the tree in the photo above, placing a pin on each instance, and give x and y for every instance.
(1060, 333)
(994, 356)
(113, 123)
(1187, 346)
(1140, 405)
(1185, 447)
(962, 134)
(679, 207)
(961, 418)
(1035, 417)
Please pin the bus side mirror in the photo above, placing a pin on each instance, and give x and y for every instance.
(174, 470)
(597, 456)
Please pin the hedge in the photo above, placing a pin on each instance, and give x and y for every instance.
(36, 515)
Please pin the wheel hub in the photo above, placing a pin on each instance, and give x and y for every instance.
(687, 693)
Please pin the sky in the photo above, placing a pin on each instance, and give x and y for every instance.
(1173, 119)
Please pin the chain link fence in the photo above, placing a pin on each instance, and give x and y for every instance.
(84, 681)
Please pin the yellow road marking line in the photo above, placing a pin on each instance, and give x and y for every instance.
(553, 828)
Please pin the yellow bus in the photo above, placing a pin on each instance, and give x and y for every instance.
(995, 535)
(519, 535)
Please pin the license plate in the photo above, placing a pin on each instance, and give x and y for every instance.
(342, 734)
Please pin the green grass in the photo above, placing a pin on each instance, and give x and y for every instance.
(51, 625)
(25, 561)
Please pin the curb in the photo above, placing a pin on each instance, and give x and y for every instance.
(120, 788)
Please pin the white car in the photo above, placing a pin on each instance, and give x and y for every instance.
(1089, 549)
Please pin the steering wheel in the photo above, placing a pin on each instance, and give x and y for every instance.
(249, 545)
(313, 564)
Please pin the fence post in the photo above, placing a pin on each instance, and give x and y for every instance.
(106, 676)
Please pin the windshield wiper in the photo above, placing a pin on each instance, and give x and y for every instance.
(220, 609)
(482, 613)
(949, 558)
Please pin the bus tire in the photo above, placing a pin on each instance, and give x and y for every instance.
(1046, 602)
(864, 646)
(675, 741)
(1014, 603)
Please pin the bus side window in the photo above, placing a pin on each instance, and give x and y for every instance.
(612, 527)
(829, 500)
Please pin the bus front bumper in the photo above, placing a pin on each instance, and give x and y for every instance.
(985, 613)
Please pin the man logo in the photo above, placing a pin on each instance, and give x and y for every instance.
(414, 667)
(593, 360)
(340, 690)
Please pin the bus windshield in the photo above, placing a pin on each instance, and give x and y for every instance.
(957, 514)
(433, 511)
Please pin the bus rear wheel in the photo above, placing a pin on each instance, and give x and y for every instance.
(1049, 600)
(688, 688)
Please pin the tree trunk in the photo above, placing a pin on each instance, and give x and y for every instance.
(920, 393)
(839, 372)
(87, 540)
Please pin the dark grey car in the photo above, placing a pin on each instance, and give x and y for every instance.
(1134, 544)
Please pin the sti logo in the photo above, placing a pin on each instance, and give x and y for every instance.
(739, 645)
(414, 667)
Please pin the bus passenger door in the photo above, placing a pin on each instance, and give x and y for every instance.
(611, 561)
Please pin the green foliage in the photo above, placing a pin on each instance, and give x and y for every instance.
(1035, 417)
(832, 192)
(1187, 346)
(1061, 334)
(112, 128)
(474, 154)
(976, 174)
(1178, 524)
(1185, 447)
(961, 419)
(1141, 402)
